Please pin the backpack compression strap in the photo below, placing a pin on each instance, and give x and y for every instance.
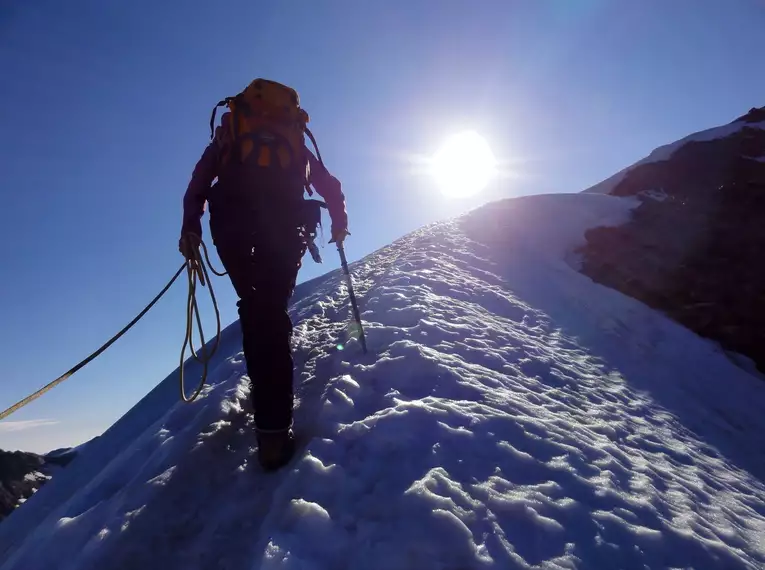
(222, 103)
(313, 140)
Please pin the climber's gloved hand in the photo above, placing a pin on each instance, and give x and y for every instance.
(189, 245)
(339, 234)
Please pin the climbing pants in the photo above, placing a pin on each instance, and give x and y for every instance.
(263, 261)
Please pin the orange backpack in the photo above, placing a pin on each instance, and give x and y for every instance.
(267, 125)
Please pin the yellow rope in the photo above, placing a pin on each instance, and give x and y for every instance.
(93, 356)
(196, 270)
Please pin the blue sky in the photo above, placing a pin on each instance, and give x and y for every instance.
(104, 109)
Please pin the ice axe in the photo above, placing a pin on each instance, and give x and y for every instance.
(349, 280)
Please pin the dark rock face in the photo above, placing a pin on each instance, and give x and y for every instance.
(21, 474)
(755, 115)
(695, 247)
(20, 477)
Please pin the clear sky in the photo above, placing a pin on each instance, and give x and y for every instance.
(104, 110)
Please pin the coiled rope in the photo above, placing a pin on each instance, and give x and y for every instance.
(196, 269)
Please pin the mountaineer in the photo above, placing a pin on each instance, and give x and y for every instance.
(261, 225)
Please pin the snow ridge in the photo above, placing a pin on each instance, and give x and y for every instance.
(511, 414)
(666, 151)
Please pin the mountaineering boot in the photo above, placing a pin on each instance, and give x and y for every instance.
(275, 448)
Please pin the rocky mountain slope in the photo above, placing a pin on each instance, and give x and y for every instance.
(20, 477)
(694, 247)
(22, 474)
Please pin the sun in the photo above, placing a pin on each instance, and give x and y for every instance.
(464, 165)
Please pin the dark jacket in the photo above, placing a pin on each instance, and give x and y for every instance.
(201, 190)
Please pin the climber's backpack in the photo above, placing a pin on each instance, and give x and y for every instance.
(267, 127)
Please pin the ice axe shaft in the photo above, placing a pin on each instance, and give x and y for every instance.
(354, 305)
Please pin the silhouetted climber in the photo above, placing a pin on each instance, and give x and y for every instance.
(261, 225)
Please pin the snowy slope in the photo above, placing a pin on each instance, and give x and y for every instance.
(511, 414)
(665, 152)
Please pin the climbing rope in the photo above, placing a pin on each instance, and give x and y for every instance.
(197, 271)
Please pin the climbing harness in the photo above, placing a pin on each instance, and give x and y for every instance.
(197, 271)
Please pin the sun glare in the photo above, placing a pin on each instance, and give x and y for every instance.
(464, 165)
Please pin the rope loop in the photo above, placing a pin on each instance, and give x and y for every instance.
(196, 269)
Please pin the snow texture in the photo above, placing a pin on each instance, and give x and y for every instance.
(511, 414)
(665, 152)
(35, 476)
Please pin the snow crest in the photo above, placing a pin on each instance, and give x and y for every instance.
(511, 414)
(666, 151)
